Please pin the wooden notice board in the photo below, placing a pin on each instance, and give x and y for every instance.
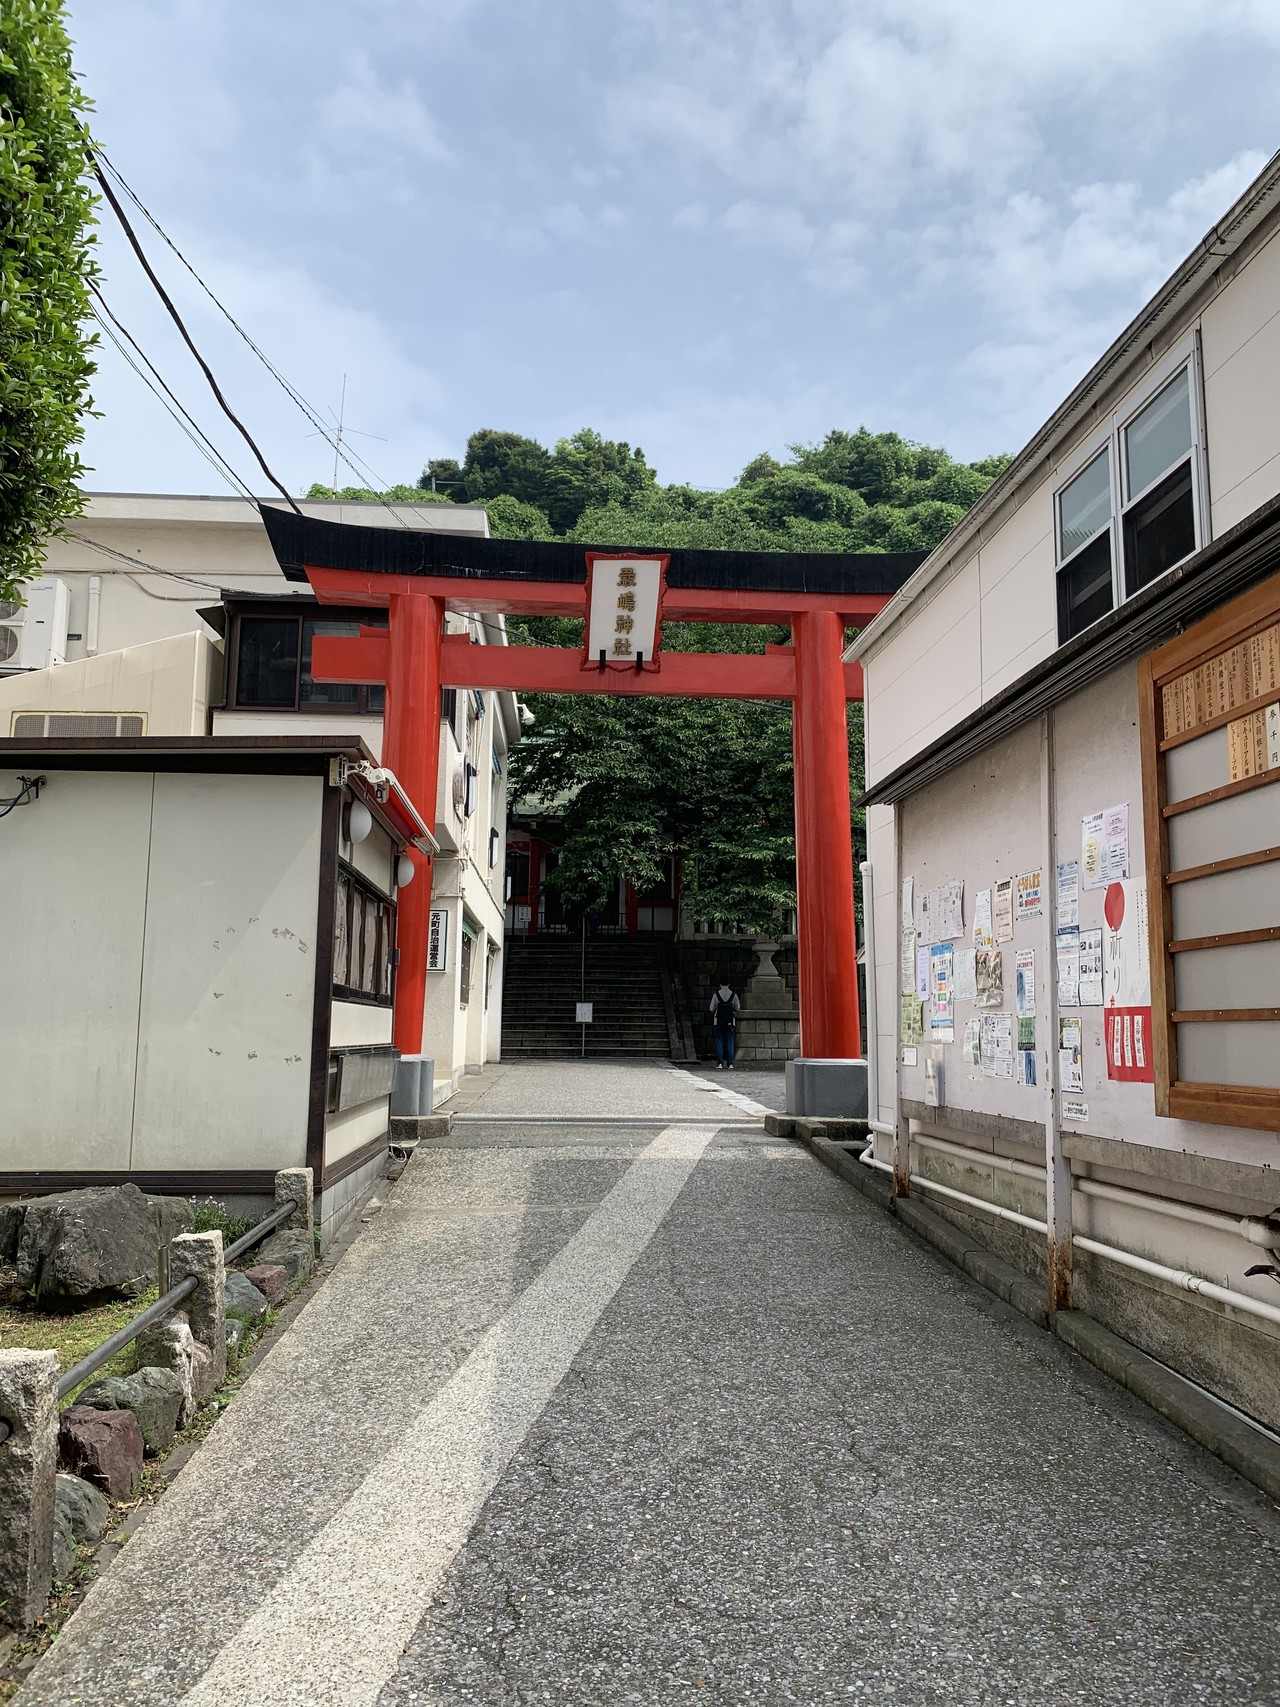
(1209, 705)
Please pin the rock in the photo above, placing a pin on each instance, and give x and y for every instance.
(80, 1246)
(104, 1447)
(237, 1334)
(173, 1215)
(243, 1298)
(203, 1380)
(11, 1215)
(85, 1510)
(64, 1547)
(171, 1346)
(271, 1279)
(155, 1397)
(293, 1248)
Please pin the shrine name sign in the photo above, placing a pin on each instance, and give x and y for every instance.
(623, 628)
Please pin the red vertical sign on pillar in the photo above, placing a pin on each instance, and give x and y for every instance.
(829, 1022)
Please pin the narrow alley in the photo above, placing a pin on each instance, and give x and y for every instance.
(621, 1400)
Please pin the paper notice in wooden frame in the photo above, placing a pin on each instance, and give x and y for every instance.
(623, 629)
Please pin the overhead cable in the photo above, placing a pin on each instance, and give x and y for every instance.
(356, 464)
(174, 405)
(187, 339)
(139, 563)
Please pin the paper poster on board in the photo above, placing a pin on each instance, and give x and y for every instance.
(1028, 895)
(997, 1046)
(982, 933)
(1025, 981)
(1090, 969)
(1068, 896)
(911, 1021)
(1070, 1055)
(942, 990)
(1068, 956)
(1004, 910)
(973, 1048)
(1104, 847)
(922, 974)
(966, 974)
(989, 978)
(1126, 982)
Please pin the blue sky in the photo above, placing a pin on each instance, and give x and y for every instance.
(709, 228)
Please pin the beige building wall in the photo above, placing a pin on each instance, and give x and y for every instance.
(1240, 340)
(171, 682)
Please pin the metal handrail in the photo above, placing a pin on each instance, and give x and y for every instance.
(257, 1234)
(156, 1312)
(126, 1335)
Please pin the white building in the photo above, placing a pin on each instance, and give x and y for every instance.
(1086, 675)
(166, 619)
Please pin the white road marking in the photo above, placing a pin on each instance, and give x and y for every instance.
(333, 1629)
(747, 1104)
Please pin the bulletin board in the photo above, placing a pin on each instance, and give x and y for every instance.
(1209, 707)
(974, 832)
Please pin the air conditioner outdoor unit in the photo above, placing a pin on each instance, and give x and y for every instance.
(34, 635)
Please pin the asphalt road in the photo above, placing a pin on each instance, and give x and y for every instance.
(621, 1401)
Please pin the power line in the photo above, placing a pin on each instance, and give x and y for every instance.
(140, 563)
(164, 296)
(357, 465)
(196, 439)
(192, 428)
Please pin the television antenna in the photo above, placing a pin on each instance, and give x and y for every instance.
(339, 421)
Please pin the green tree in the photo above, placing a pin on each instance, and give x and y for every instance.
(635, 780)
(506, 463)
(46, 263)
(368, 494)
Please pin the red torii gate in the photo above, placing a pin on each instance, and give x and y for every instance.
(417, 576)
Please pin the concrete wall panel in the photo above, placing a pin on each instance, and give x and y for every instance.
(228, 972)
(73, 872)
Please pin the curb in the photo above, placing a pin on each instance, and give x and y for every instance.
(1222, 1431)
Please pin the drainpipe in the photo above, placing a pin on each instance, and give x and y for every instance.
(881, 1127)
(91, 624)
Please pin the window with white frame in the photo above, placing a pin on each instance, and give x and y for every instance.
(1133, 511)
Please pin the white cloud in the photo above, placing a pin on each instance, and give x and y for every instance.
(312, 336)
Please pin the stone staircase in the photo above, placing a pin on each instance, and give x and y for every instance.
(543, 982)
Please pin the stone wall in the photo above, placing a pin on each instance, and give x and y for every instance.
(771, 1035)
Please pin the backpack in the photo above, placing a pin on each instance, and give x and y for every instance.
(723, 1015)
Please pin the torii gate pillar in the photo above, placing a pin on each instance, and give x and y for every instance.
(829, 1028)
(411, 748)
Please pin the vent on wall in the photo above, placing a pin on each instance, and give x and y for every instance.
(100, 723)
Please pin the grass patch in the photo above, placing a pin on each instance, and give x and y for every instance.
(23, 1326)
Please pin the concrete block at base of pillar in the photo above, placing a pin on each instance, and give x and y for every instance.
(414, 1086)
(28, 1481)
(827, 1087)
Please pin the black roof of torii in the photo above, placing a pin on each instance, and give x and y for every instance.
(300, 541)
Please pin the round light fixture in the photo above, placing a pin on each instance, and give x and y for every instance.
(406, 871)
(359, 821)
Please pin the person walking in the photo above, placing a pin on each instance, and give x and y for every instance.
(724, 1024)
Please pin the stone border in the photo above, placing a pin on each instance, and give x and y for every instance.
(1229, 1436)
(165, 1469)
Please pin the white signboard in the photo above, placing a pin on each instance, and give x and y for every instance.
(585, 1013)
(624, 602)
(438, 940)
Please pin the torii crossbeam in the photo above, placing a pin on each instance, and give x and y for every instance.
(418, 575)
